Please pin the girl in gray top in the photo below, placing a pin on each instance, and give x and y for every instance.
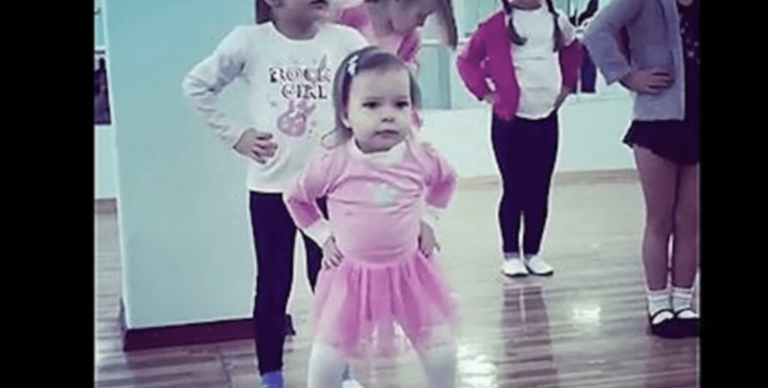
(652, 48)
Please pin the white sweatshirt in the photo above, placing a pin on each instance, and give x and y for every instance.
(537, 65)
(289, 85)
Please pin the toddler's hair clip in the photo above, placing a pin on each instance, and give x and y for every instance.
(352, 65)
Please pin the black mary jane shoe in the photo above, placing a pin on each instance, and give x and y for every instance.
(668, 328)
(688, 326)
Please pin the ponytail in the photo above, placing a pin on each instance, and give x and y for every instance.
(263, 12)
(513, 35)
(558, 33)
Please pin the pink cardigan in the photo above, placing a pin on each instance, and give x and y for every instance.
(489, 55)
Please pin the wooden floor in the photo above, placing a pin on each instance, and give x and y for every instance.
(584, 327)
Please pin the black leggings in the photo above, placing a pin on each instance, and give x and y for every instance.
(274, 234)
(525, 153)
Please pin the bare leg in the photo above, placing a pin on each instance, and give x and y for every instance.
(685, 255)
(658, 178)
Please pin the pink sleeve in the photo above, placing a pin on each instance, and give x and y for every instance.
(352, 17)
(441, 179)
(470, 64)
(301, 197)
(570, 64)
(410, 47)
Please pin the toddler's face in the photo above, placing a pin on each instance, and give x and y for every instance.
(379, 109)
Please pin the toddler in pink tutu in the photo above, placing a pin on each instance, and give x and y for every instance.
(384, 189)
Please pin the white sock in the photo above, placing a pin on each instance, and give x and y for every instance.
(659, 300)
(326, 365)
(440, 366)
(511, 255)
(681, 300)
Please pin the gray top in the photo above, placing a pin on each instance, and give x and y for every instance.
(654, 42)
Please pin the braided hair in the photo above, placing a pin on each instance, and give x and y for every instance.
(520, 40)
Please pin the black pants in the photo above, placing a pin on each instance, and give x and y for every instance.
(274, 235)
(588, 74)
(525, 152)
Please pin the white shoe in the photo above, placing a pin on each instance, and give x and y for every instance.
(348, 381)
(514, 267)
(536, 265)
(351, 384)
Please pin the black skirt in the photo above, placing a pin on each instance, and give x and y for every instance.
(674, 140)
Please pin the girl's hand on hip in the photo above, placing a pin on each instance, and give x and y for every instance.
(564, 93)
(256, 145)
(490, 98)
(651, 81)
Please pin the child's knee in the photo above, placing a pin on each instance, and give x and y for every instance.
(687, 218)
(660, 224)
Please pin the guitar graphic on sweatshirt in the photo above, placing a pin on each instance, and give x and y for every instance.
(294, 121)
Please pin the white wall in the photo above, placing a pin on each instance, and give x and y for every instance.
(104, 153)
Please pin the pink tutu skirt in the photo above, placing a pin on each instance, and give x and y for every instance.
(383, 309)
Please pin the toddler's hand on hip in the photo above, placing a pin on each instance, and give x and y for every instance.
(427, 241)
(332, 257)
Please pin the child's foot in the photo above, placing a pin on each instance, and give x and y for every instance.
(661, 318)
(664, 324)
(687, 319)
(272, 380)
(537, 266)
(688, 322)
(351, 384)
(513, 267)
(348, 381)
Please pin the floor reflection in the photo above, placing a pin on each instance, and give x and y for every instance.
(476, 369)
(670, 363)
(527, 346)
